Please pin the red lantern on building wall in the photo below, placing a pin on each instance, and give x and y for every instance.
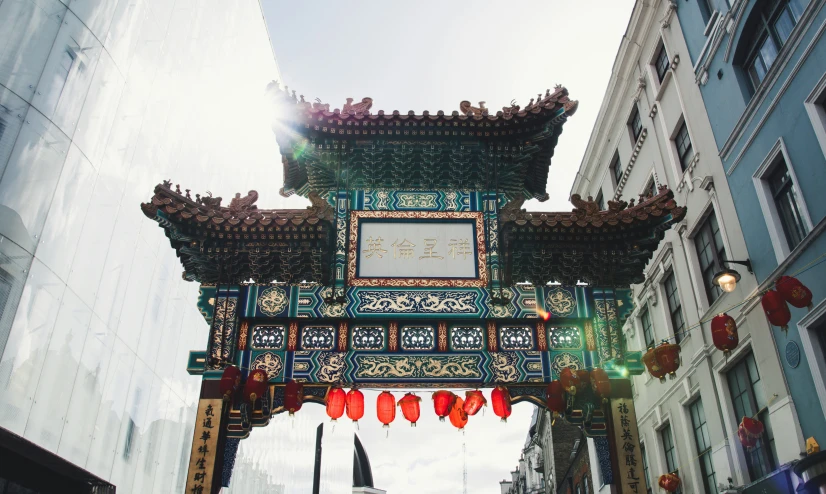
(555, 397)
(752, 428)
(293, 396)
(386, 408)
(410, 408)
(230, 381)
(600, 383)
(571, 380)
(335, 403)
(501, 400)
(668, 356)
(354, 402)
(724, 333)
(458, 417)
(746, 440)
(776, 309)
(442, 403)
(654, 368)
(669, 482)
(256, 385)
(474, 400)
(794, 292)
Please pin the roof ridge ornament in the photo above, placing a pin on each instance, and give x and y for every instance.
(468, 110)
(240, 204)
(362, 108)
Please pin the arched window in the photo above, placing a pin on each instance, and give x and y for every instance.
(768, 28)
(585, 485)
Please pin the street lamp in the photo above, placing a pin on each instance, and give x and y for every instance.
(727, 278)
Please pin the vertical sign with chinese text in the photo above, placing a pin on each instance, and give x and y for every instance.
(204, 446)
(630, 477)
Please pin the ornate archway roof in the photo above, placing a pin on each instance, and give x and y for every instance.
(506, 151)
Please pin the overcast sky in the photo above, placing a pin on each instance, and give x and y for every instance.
(430, 55)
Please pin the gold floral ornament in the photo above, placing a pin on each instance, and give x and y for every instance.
(273, 300)
(269, 362)
(560, 302)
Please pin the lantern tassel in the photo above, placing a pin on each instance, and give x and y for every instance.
(357, 424)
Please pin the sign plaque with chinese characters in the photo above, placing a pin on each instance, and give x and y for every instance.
(417, 248)
(630, 478)
(204, 445)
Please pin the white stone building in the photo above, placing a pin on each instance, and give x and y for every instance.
(652, 130)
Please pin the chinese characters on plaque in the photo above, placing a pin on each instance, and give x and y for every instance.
(204, 444)
(627, 439)
(410, 249)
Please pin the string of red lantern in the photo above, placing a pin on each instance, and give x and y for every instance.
(386, 408)
(724, 333)
(670, 482)
(662, 360)
(335, 403)
(354, 402)
(501, 401)
(458, 417)
(442, 403)
(410, 408)
(230, 381)
(293, 396)
(474, 401)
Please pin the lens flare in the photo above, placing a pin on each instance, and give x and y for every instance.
(545, 315)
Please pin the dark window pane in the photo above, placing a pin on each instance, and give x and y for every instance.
(636, 124)
(674, 306)
(661, 63)
(669, 451)
(786, 202)
(648, 488)
(783, 26)
(600, 200)
(702, 441)
(710, 252)
(616, 166)
(684, 148)
(647, 328)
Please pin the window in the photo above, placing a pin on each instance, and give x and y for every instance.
(59, 78)
(635, 124)
(748, 400)
(600, 201)
(647, 329)
(771, 28)
(616, 167)
(684, 149)
(675, 308)
(661, 63)
(670, 452)
(578, 489)
(711, 252)
(585, 484)
(645, 469)
(786, 201)
(702, 441)
(650, 189)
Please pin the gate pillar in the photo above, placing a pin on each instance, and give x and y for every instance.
(624, 440)
(208, 441)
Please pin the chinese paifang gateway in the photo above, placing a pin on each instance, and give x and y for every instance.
(324, 295)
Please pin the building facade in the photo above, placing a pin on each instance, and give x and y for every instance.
(652, 131)
(98, 102)
(761, 68)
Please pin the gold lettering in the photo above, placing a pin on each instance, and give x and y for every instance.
(374, 247)
(459, 247)
(403, 249)
(429, 252)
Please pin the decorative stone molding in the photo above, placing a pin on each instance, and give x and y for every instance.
(686, 180)
(641, 84)
(630, 165)
(669, 12)
(675, 62)
(653, 112)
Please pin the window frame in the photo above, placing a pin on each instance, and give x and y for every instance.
(616, 168)
(645, 469)
(706, 452)
(677, 333)
(747, 364)
(670, 454)
(685, 156)
(718, 253)
(812, 329)
(634, 129)
(774, 224)
(649, 339)
(815, 105)
(600, 200)
(766, 30)
(660, 68)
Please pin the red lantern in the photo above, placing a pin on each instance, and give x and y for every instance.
(746, 440)
(386, 408)
(669, 482)
(600, 383)
(570, 380)
(458, 417)
(776, 309)
(355, 405)
(293, 396)
(555, 397)
(753, 427)
(230, 381)
(654, 368)
(256, 385)
(501, 400)
(442, 403)
(724, 333)
(474, 400)
(668, 356)
(335, 403)
(410, 408)
(794, 292)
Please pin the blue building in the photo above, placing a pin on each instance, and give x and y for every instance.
(761, 67)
